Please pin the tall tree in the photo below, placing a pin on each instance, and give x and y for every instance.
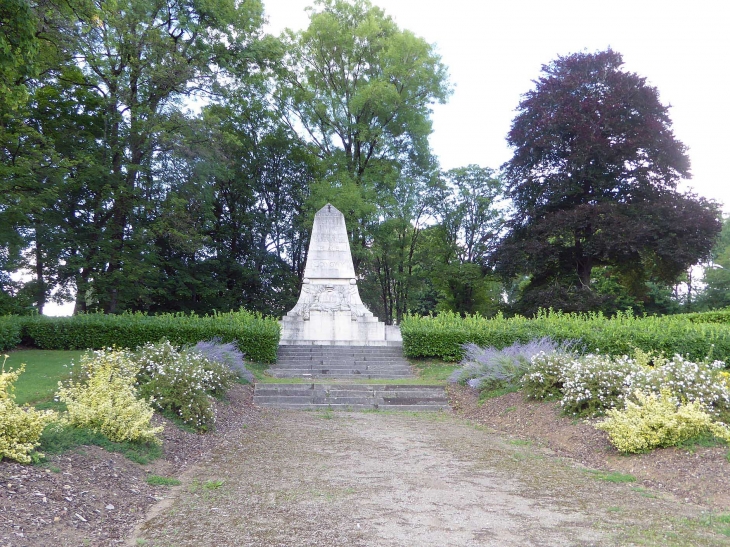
(594, 182)
(470, 219)
(142, 58)
(360, 89)
(716, 293)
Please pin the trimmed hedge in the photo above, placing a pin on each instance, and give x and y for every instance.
(714, 316)
(444, 335)
(10, 332)
(256, 336)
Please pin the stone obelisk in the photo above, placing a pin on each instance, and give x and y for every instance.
(329, 309)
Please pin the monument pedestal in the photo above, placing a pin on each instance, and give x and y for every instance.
(329, 310)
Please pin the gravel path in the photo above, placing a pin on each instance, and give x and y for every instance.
(388, 479)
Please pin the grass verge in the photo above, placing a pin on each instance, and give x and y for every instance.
(611, 476)
(57, 439)
(43, 370)
(158, 480)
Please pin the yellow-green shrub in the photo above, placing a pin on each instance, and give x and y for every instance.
(20, 427)
(658, 421)
(104, 398)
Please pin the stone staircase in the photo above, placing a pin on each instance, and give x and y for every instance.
(332, 369)
(341, 362)
(337, 396)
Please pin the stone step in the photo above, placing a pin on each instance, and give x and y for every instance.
(336, 357)
(307, 365)
(344, 358)
(351, 396)
(292, 373)
(341, 376)
(340, 362)
(340, 348)
(350, 408)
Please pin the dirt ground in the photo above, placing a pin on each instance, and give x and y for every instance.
(506, 473)
(386, 479)
(699, 474)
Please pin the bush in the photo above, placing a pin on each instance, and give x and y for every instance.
(692, 381)
(715, 316)
(10, 332)
(491, 368)
(181, 383)
(104, 398)
(658, 421)
(544, 377)
(228, 354)
(255, 335)
(444, 336)
(593, 384)
(20, 427)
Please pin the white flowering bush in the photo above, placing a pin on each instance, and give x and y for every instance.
(544, 378)
(658, 420)
(20, 427)
(593, 383)
(688, 380)
(104, 398)
(181, 383)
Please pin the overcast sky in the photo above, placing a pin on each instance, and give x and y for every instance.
(495, 49)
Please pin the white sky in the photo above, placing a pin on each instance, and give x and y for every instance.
(494, 49)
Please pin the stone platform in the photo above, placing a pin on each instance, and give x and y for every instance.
(336, 396)
(332, 369)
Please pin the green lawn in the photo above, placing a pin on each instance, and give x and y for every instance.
(43, 369)
(433, 370)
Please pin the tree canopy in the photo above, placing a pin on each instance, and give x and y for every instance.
(169, 156)
(593, 181)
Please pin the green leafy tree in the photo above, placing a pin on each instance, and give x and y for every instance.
(360, 89)
(142, 58)
(18, 49)
(84, 161)
(470, 220)
(716, 293)
(594, 182)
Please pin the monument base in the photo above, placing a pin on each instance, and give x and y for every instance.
(337, 328)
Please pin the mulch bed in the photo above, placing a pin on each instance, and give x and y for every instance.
(700, 475)
(93, 497)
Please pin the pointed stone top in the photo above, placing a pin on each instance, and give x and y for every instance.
(329, 250)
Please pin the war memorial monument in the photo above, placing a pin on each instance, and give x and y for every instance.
(329, 310)
(331, 339)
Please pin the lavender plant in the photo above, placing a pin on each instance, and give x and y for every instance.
(227, 354)
(491, 368)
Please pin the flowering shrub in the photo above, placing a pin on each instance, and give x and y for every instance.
(104, 398)
(658, 421)
(544, 378)
(228, 354)
(181, 382)
(593, 384)
(489, 368)
(688, 380)
(20, 427)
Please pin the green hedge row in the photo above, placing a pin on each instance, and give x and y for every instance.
(10, 332)
(256, 336)
(442, 336)
(715, 316)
